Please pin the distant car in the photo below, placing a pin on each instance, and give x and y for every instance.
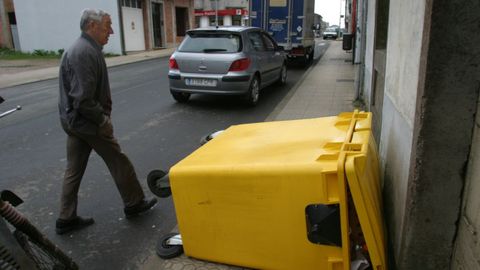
(330, 33)
(226, 61)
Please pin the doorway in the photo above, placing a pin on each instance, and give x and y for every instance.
(133, 25)
(379, 65)
(157, 18)
(181, 15)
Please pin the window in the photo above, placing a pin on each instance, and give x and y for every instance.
(256, 41)
(269, 45)
(212, 20)
(11, 18)
(132, 3)
(211, 43)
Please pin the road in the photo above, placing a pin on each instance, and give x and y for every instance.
(153, 130)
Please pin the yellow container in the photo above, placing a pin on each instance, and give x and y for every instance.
(242, 198)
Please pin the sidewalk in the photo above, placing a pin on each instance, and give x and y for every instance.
(326, 89)
(32, 75)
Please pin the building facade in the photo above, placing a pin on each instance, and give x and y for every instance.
(8, 25)
(138, 25)
(419, 76)
(221, 12)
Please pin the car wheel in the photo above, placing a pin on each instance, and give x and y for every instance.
(180, 96)
(253, 92)
(283, 75)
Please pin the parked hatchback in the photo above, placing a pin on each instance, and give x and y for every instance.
(226, 61)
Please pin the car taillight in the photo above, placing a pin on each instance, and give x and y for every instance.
(172, 64)
(240, 65)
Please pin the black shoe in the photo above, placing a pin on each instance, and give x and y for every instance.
(77, 223)
(139, 208)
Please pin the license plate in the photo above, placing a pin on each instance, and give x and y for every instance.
(200, 82)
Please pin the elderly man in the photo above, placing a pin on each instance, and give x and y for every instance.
(85, 105)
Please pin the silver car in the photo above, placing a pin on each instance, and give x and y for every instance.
(226, 61)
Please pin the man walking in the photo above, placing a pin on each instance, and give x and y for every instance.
(85, 105)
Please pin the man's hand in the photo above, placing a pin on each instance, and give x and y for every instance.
(106, 128)
(106, 120)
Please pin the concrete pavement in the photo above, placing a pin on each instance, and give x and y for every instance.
(326, 89)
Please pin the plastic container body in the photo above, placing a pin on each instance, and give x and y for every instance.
(272, 195)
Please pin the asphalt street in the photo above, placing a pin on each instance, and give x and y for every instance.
(153, 130)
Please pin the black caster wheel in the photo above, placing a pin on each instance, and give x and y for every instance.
(169, 251)
(159, 183)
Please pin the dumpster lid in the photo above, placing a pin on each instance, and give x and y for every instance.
(361, 169)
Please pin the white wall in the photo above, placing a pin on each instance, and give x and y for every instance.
(55, 24)
(401, 86)
(369, 52)
(399, 102)
(359, 32)
(403, 55)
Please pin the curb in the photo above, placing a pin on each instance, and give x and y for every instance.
(49, 73)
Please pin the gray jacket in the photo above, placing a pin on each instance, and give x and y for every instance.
(85, 102)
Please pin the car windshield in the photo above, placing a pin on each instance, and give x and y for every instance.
(331, 30)
(211, 42)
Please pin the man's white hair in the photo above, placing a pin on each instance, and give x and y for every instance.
(89, 15)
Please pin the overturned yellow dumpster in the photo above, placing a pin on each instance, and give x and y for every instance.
(300, 194)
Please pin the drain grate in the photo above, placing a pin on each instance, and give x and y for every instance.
(345, 80)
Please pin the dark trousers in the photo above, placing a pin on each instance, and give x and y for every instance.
(79, 147)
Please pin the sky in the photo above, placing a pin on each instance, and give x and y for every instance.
(329, 9)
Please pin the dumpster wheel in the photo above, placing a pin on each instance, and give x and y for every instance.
(159, 183)
(210, 136)
(169, 246)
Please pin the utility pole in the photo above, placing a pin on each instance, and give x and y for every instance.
(340, 15)
(216, 13)
(340, 19)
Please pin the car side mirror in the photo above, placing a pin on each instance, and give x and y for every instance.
(1, 99)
